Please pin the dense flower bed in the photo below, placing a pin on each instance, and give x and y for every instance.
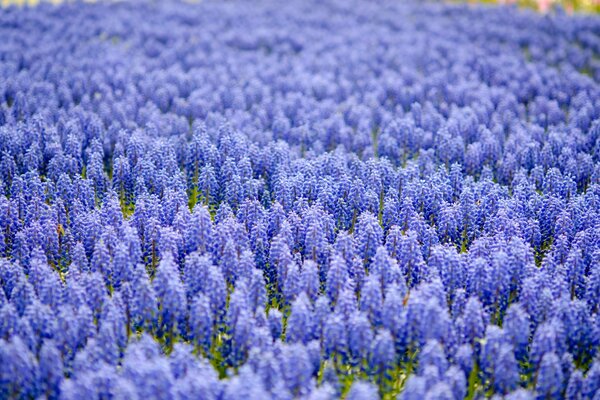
(241, 200)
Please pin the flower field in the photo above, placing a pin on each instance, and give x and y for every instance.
(299, 200)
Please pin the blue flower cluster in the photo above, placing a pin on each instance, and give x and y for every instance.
(252, 200)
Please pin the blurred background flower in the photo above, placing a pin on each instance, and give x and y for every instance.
(568, 6)
(547, 5)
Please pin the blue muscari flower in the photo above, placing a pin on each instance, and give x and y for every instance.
(3, 299)
(96, 292)
(105, 348)
(2, 240)
(228, 229)
(315, 242)
(491, 280)
(414, 389)
(576, 272)
(370, 201)
(292, 283)
(567, 366)
(564, 226)
(18, 369)
(144, 304)
(386, 268)
(536, 296)
(79, 257)
(41, 319)
(357, 273)
(51, 369)
(450, 265)
(238, 302)
(11, 274)
(459, 301)
(517, 328)
(591, 386)
(75, 326)
(95, 172)
(506, 370)
(457, 381)
(170, 293)
(182, 360)
(405, 249)
(335, 336)
(309, 279)
(169, 242)
(490, 348)
(473, 322)
(549, 380)
(558, 254)
(360, 336)
(578, 328)
(101, 262)
(216, 290)
(382, 356)
(449, 224)
(346, 303)
(242, 331)
(38, 267)
(229, 261)
(296, 369)
(369, 235)
(520, 394)
(441, 390)
(575, 386)
(201, 321)
(324, 391)
(433, 354)
(279, 257)
(260, 336)
(434, 321)
(156, 374)
(9, 320)
(26, 333)
(259, 243)
(121, 266)
(391, 211)
(322, 310)
(111, 214)
(50, 289)
(266, 366)
(300, 323)
(393, 308)
(208, 185)
(257, 292)
(199, 230)
(337, 275)
(22, 295)
(246, 265)
(195, 272)
(345, 246)
(549, 337)
(464, 358)
(122, 178)
(361, 390)
(276, 218)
